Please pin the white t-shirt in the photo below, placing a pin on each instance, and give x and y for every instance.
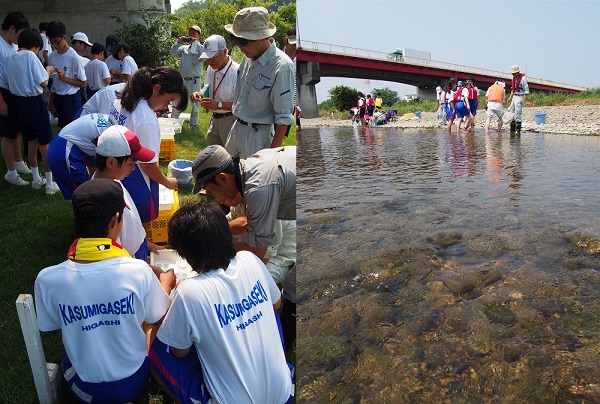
(6, 50)
(142, 121)
(229, 317)
(25, 73)
(96, 71)
(132, 233)
(129, 66)
(465, 94)
(46, 47)
(103, 100)
(71, 63)
(114, 63)
(99, 307)
(224, 85)
(84, 61)
(83, 130)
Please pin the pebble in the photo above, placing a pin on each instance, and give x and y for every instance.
(571, 119)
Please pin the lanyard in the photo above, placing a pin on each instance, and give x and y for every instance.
(222, 78)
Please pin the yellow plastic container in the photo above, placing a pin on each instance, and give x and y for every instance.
(157, 230)
(167, 149)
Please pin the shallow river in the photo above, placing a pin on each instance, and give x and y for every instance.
(448, 268)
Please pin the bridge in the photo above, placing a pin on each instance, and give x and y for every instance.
(315, 60)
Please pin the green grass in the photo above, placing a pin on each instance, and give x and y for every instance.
(36, 233)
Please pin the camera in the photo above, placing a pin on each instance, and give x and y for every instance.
(187, 39)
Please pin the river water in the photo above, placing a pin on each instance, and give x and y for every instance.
(447, 268)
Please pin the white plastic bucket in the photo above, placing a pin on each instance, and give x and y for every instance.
(182, 171)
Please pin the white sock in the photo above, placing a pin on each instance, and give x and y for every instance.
(48, 177)
(12, 173)
(36, 174)
(20, 163)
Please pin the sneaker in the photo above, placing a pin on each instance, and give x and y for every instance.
(23, 169)
(52, 188)
(16, 180)
(38, 184)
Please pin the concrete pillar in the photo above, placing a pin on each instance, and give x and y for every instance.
(307, 94)
(308, 75)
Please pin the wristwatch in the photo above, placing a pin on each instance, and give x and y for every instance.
(220, 105)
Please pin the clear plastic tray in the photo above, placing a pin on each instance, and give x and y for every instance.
(167, 259)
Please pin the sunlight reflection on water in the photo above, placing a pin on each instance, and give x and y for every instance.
(438, 266)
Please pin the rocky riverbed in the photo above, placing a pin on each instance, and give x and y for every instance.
(572, 119)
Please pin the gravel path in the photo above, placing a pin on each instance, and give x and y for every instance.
(573, 119)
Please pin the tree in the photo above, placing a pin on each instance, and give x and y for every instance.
(213, 15)
(389, 97)
(343, 98)
(150, 39)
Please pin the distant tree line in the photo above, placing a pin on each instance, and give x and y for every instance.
(343, 98)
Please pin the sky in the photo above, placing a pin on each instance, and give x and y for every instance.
(549, 39)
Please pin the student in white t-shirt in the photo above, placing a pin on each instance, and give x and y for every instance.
(68, 79)
(46, 47)
(127, 66)
(27, 79)
(117, 150)
(223, 318)
(98, 298)
(102, 101)
(96, 71)
(148, 90)
(14, 23)
(71, 152)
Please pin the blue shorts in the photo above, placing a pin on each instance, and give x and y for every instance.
(68, 164)
(119, 391)
(183, 376)
(9, 125)
(145, 199)
(142, 252)
(67, 107)
(449, 111)
(461, 109)
(33, 118)
(473, 104)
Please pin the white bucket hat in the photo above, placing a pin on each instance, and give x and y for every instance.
(251, 23)
(515, 69)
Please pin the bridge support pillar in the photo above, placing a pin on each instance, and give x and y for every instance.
(308, 75)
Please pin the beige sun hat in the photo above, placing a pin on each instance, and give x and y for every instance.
(251, 23)
(515, 69)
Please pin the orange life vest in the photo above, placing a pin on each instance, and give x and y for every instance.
(496, 93)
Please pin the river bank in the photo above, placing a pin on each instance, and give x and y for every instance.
(572, 119)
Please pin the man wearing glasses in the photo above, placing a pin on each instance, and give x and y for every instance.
(220, 81)
(264, 90)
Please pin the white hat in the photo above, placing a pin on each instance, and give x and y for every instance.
(291, 39)
(500, 83)
(515, 69)
(251, 23)
(80, 36)
(213, 45)
(118, 141)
